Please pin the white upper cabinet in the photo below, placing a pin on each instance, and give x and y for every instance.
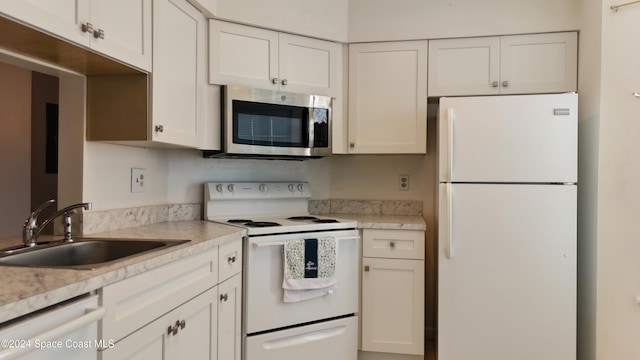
(178, 81)
(516, 64)
(259, 58)
(388, 98)
(120, 29)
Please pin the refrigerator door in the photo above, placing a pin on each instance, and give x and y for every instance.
(507, 272)
(520, 138)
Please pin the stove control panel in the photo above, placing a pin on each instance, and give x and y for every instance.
(256, 190)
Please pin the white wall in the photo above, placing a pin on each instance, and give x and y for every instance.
(378, 20)
(588, 145)
(326, 19)
(15, 148)
(618, 225)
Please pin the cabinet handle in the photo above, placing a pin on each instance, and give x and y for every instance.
(274, 81)
(285, 82)
(159, 128)
(87, 27)
(494, 84)
(173, 330)
(224, 298)
(505, 83)
(366, 268)
(352, 145)
(392, 244)
(99, 34)
(231, 259)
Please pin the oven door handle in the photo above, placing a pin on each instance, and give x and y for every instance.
(296, 340)
(281, 243)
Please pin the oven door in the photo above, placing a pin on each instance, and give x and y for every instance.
(264, 268)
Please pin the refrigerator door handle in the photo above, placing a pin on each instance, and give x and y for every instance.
(450, 143)
(449, 220)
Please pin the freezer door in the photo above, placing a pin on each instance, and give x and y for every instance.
(520, 138)
(507, 272)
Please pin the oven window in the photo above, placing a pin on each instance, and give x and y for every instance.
(270, 124)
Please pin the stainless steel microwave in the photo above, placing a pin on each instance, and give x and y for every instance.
(274, 124)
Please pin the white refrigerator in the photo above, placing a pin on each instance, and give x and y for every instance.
(507, 227)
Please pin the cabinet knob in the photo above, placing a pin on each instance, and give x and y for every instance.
(231, 259)
(285, 82)
(366, 268)
(224, 298)
(494, 84)
(274, 81)
(87, 27)
(505, 83)
(352, 145)
(159, 128)
(392, 245)
(99, 34)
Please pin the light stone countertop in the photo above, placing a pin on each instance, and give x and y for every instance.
(379, 221)
(24, 290)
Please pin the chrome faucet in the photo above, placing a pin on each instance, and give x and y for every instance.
(31, 230)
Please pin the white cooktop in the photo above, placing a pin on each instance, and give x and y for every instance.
(245, 203)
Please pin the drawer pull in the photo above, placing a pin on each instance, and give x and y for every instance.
(231, 259)
(392, 244)
(366, 268)
(224, 298)
(173, 330)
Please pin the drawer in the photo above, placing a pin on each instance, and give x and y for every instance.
(397, 244)
(229, 259)
(134, 302)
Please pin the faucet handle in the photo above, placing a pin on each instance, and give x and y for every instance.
(32, 220)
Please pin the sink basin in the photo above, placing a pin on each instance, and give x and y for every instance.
(84, 253)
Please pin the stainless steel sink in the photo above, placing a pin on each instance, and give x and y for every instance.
(83, 253)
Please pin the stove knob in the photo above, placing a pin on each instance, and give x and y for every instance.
(231, 187)
(263, 188)
(292, 188)
(219, 188)
(300, 187)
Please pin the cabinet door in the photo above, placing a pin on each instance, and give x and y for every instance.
(393, 306)
(127, 30)
(242, 55)
(309, 66)
(539, 63)
(388, 98)
(62, 17)
(155, 341)
(229, 318)
(178, 78)
(464, 66)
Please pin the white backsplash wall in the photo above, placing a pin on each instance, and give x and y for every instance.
(107, 175)
(188, 170)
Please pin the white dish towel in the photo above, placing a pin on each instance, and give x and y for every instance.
(309, 268)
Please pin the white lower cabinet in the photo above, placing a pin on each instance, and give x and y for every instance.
(230, 318)
(393, 291)
(187, 332)
(182, 310)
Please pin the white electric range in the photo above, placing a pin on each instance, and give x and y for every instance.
(323, 327)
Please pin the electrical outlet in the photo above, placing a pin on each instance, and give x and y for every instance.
(403, 182)
(137, 180)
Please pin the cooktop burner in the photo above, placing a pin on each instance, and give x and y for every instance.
(325, 221)
(305, 217)
(239, 221)
(251, 223)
